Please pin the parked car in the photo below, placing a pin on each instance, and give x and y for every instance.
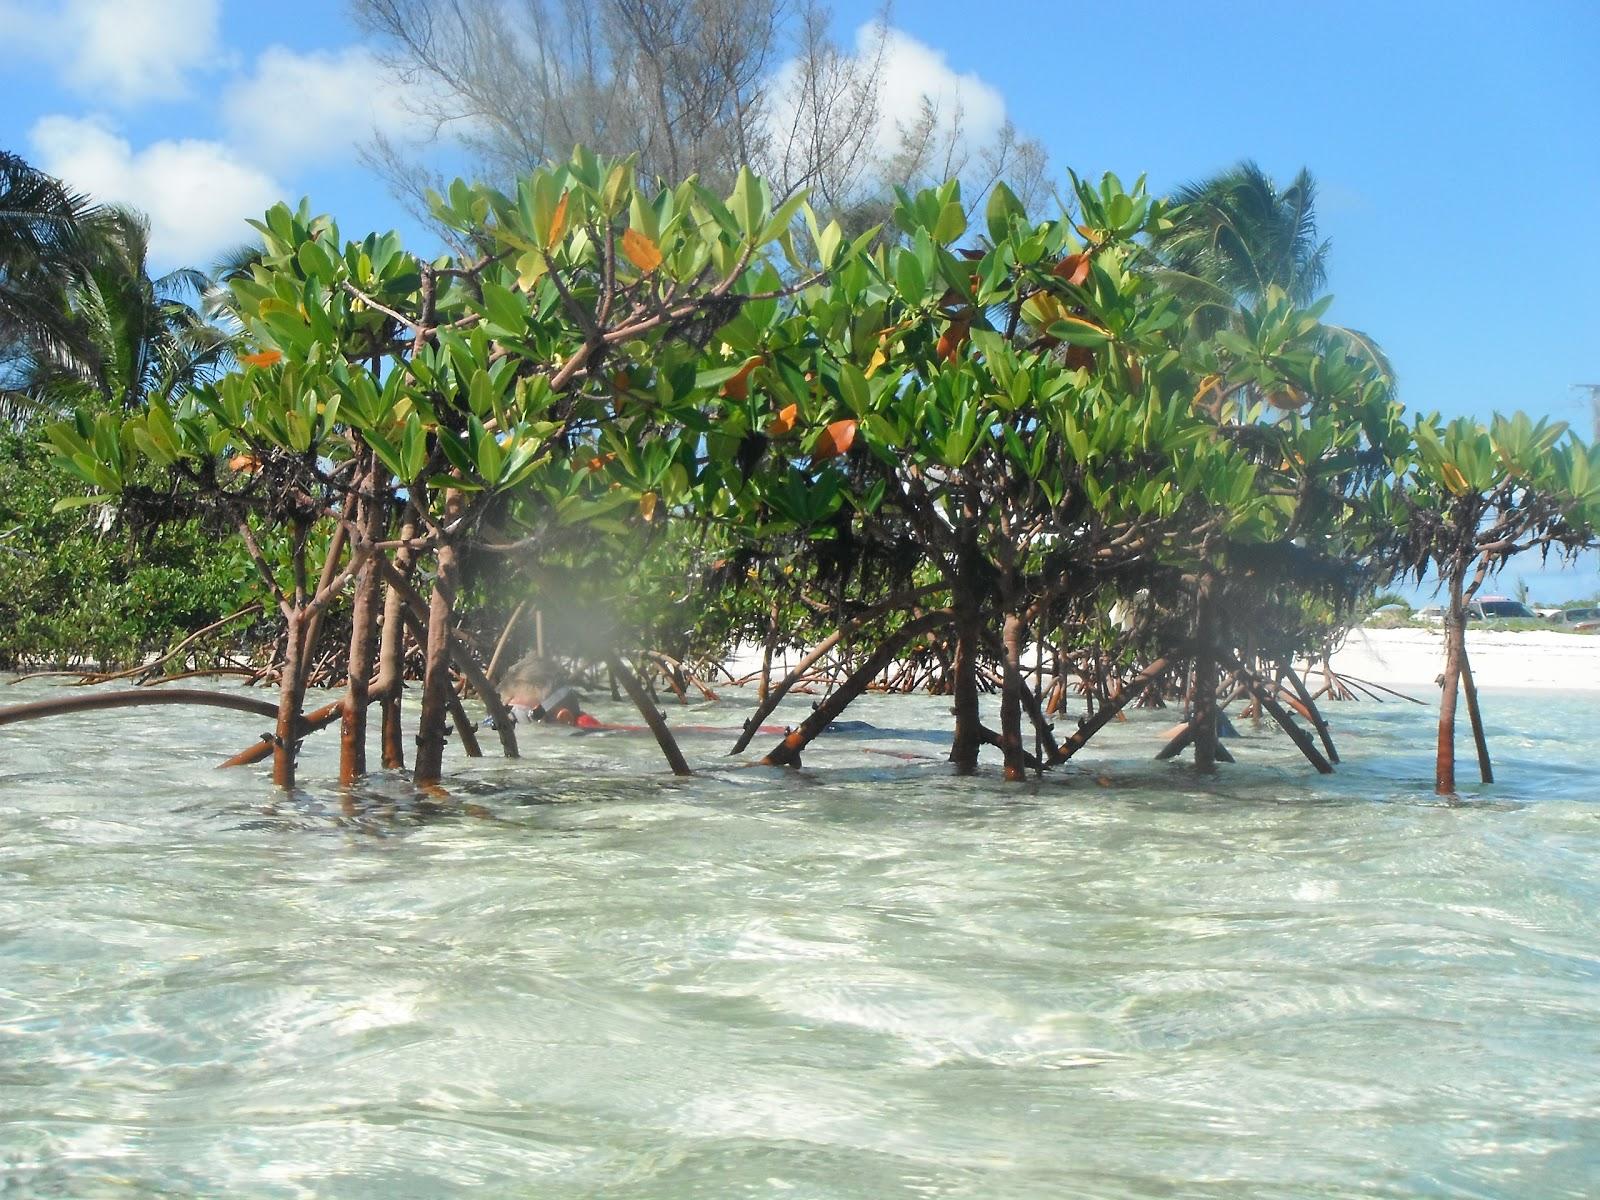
(1490, 608)
(1499, 608)
(1580, 619)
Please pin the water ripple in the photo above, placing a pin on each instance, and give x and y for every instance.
(577, 976)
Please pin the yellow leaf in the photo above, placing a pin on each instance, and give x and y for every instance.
(877, 360)
(558, 223)
(647, 506)
(531, 268)
(1453, 478)
(641, 251)
(1042, 310)
(1287, 398)
(262, 358)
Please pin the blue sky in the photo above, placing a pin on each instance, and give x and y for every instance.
(1456, 142)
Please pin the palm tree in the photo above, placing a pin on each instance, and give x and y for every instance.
(1237, 238)
(45, 233)
(131, 337)
(1239, 234)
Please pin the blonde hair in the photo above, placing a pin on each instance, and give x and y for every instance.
(531, 677)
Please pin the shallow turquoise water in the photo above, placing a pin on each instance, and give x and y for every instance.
(863, 979)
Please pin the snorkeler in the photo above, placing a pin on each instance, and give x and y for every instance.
(532, 694)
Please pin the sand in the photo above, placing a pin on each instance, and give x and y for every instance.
(1411, 659)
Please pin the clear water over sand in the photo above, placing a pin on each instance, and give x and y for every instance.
(862, 979)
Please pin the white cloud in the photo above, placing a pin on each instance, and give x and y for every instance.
(118, 51)
(910, 74)
(197, 193)
(301, 108)
(913, 70)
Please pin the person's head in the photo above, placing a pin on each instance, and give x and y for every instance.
(529, 681)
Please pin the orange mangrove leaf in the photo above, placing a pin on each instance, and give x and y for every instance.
(641, 251)
(835, 440)
(784, 421)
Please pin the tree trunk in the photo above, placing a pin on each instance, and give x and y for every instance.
(1011, 701)
(392, 654)
(416, 612)
(291, 698)
(436, 668)
(1205, 679)
(764, 687)
(363, 636)
(964, 691)
(1455, 636)
(312, 627)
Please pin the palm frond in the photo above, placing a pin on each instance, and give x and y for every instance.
(41, 219)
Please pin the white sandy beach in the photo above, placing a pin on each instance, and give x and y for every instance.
(1411, 659)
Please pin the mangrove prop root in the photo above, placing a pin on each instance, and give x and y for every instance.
(497, 658)
(651, 714)
(683, 673)
(776, 692)
(319, 719)
(1109, 710)
(787, 752)
(1312, 712)
(990, 737)
(144, 670)
(1179, 743)
(140, 698)
(1301, 738)
(1470, 689)
(464, 727)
